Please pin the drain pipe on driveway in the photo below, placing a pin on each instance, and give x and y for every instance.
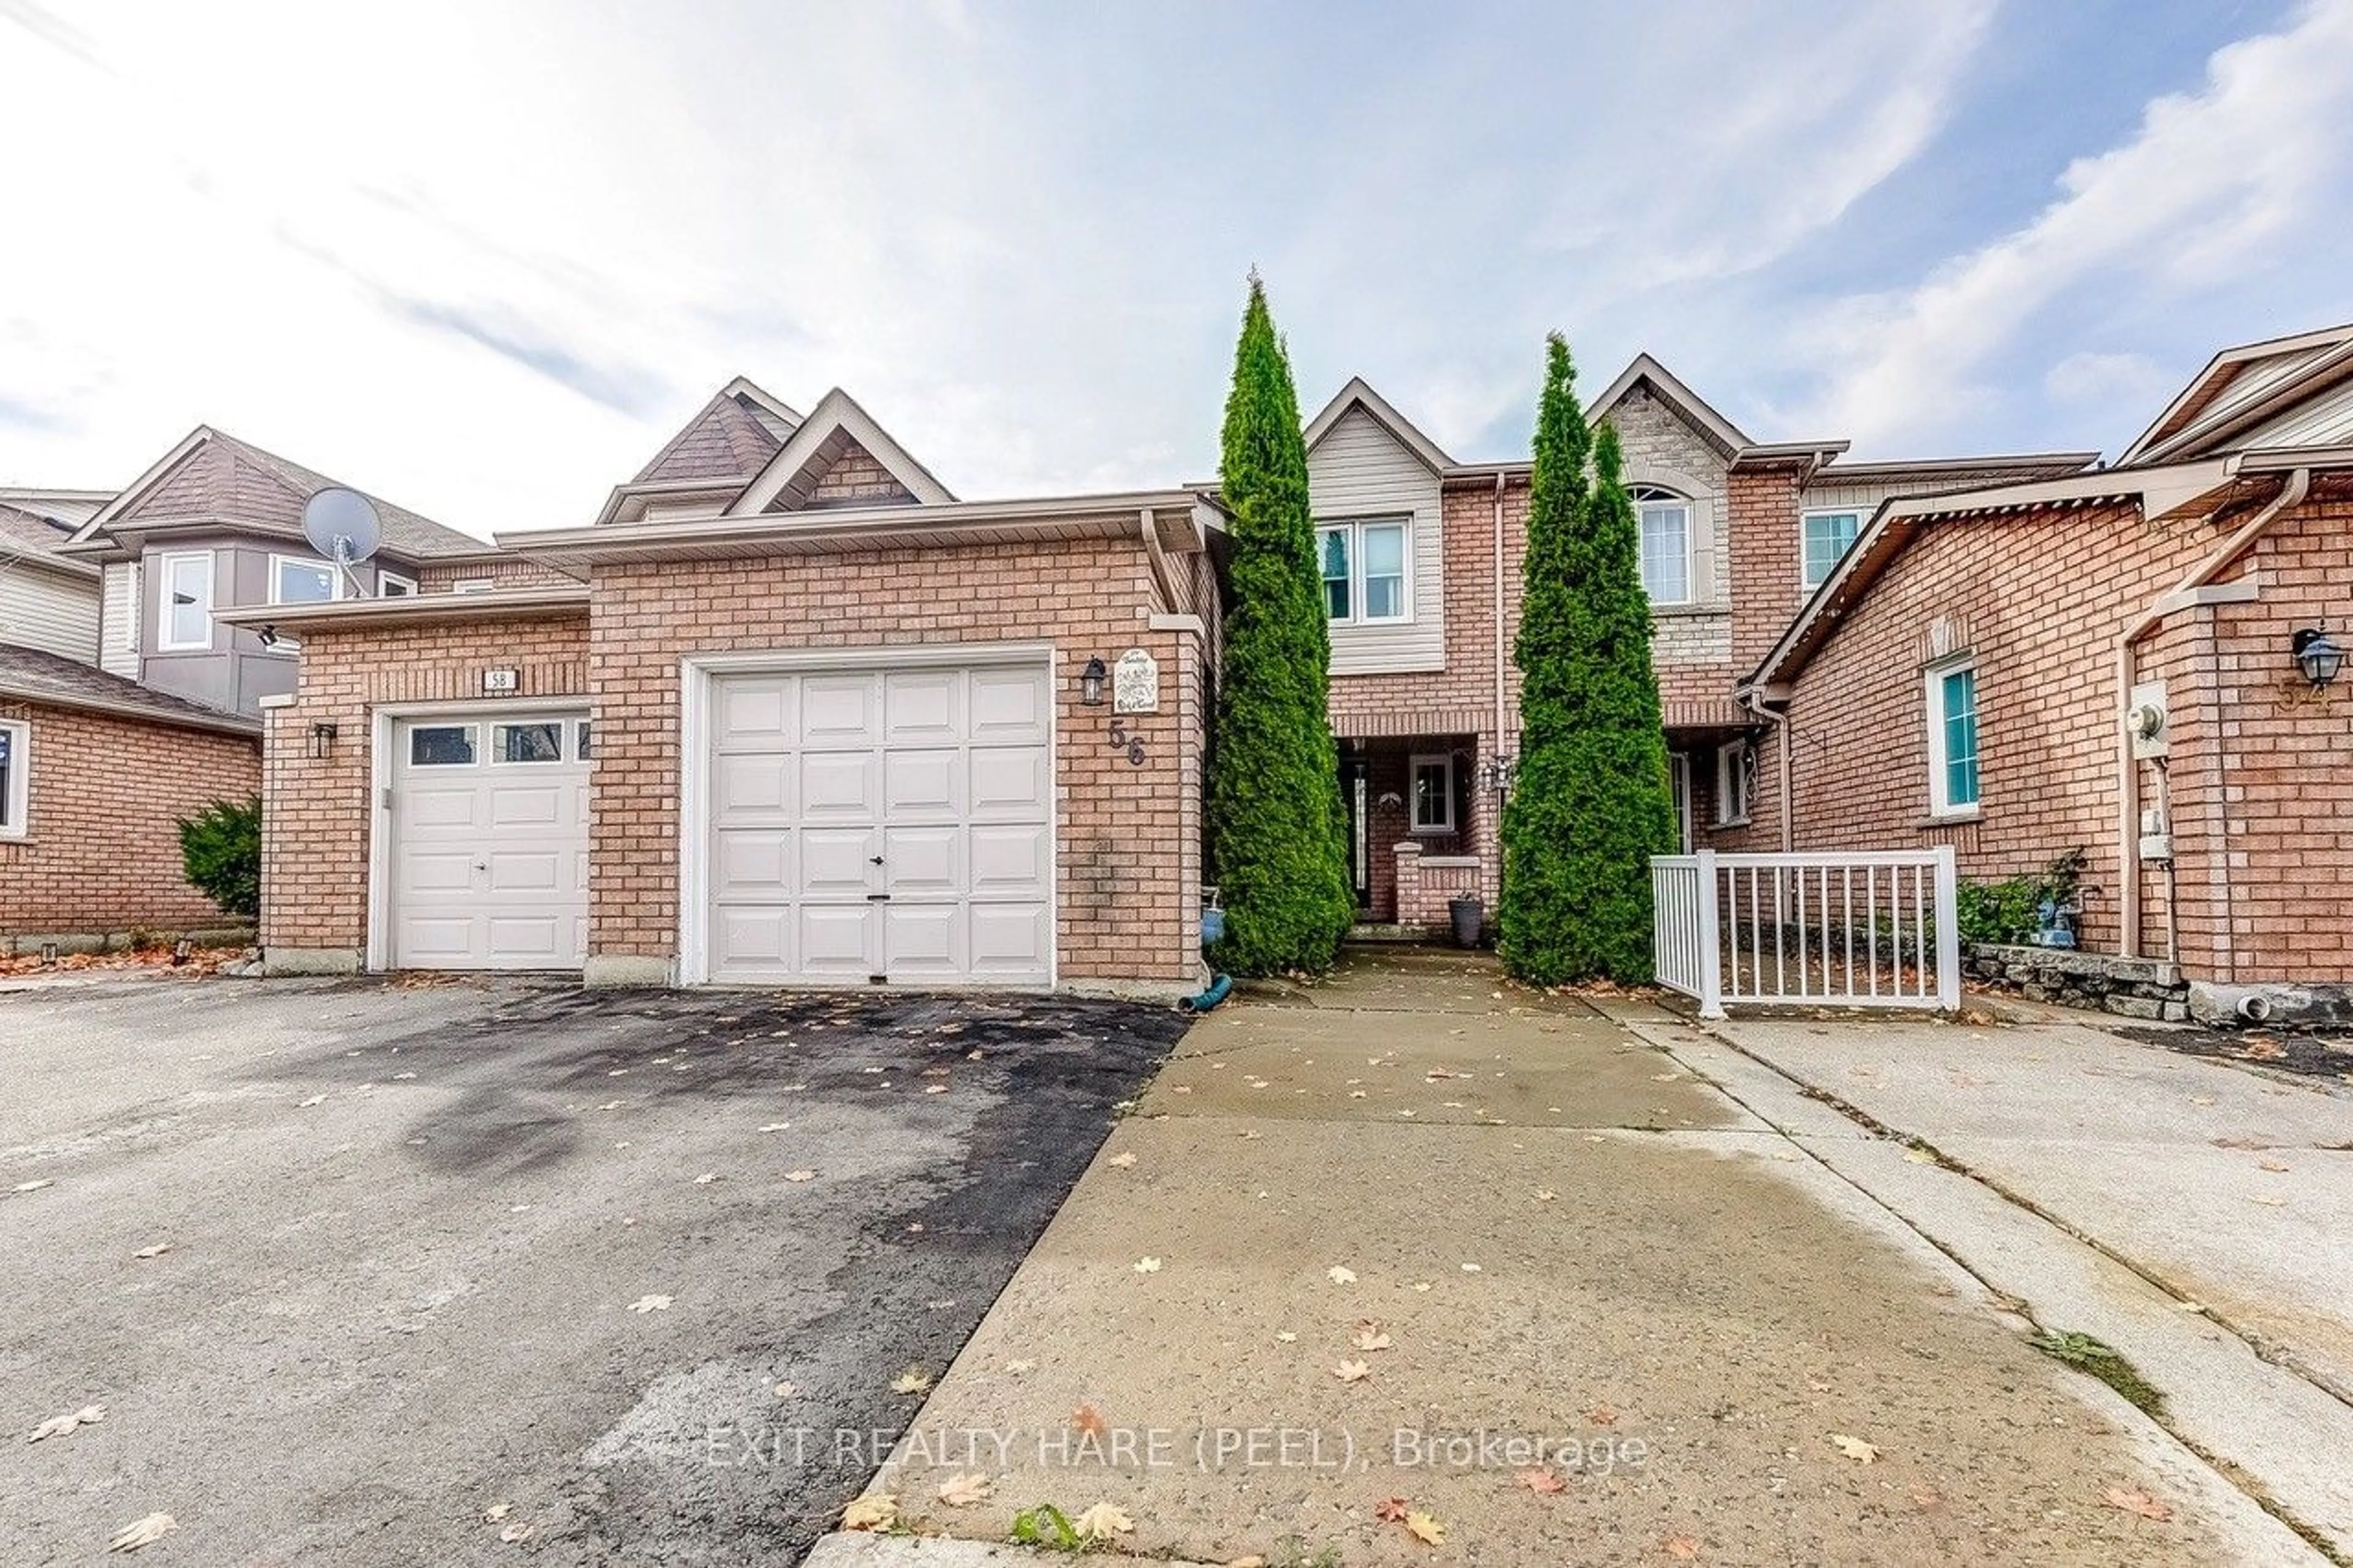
(2291, 495)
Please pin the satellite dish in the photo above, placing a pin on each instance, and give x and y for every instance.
(342, 525)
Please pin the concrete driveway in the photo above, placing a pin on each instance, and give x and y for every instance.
(1420, 1251)
(457, 1274)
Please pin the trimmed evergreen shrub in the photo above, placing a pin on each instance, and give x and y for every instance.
(220, 854)
(1590, 803)
(1277, 828)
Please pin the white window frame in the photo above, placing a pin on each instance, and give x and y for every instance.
(1736, 782)
(1647, 495)
(335, 585)
(1354, 528)
(1941, 805)
(1805, 576)
(1414, 765)
(383, 585)
(15, 805)
(472, 586)
(165, 587)
(1679, 792)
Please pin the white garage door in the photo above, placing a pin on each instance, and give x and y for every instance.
(490, 842)
(892, 825)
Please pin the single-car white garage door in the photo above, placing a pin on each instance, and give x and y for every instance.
(885, 825)
(488, 850)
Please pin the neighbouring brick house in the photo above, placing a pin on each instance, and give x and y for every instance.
(2105, 661)
(1422, 556)
(785, 712)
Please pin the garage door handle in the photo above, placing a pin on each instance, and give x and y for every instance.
(481, 865)
(874, 861)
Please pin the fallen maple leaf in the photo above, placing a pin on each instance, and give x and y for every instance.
(1682, 1548)
(1088, 1420)
(1390, 1510)
(59, 1425)
(497, 1512)
(142, 1532)
(1545, 1195)
(915, 1380)
(1602, 1415)
(1147, 1266)
(1855, 1448)
(2140, 1503)
(518, 1532)
(1541, 1480)
(1121, 1160)
(1352, 1371)
(1370, 1336)
(963, 1491)
(801, 1175)
(875, 1510)
(157, 1251)
(650, 1304)
(1019, 1367)
(1101, 1522)
(1425, 1527)
(1339, 1276)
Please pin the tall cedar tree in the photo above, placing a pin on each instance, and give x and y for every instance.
(1278, 834)
(1590, 803)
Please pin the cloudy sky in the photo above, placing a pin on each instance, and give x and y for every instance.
(482, 256)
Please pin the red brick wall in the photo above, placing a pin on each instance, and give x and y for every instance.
(315, 853)
(2259, 836)
(441, 576)
(105, 796)
(1128, 867)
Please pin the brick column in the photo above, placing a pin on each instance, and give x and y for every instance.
(1408, 883)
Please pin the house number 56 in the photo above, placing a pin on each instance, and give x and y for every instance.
(1121, 739)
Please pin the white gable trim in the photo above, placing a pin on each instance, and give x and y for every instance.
(1694, 408)
(1357, 393)
(837, 413)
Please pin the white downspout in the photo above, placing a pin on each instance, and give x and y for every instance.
(1782, 770)
(2299, 485)
(1496, 814)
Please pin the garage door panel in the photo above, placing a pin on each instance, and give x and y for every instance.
(757, 940)
(923, 862)
(754, 788)
(526, 871)
(1010, 782)
(836, 940)
(449, 940)
(1008, 707)
(527, 806)
(753, 863)
(751, 715)
(489, 863)
(924, 941)
(923, 707)
(1010, 940)
(436, 871)
(840, 710)
(425, 807)
(841, 787)
(837, 862)
(1015, 861)
(522, 937)
(923, 785)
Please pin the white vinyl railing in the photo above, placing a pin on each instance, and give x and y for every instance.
(1835, 930)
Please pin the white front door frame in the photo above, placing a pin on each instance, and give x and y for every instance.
(381, 720)
(695, 673)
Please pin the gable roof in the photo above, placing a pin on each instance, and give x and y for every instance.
(731, 438)
(835, 425)
(2240, 389)
(1695, 410)
(31, 674)
(28, 537)
(69, 506)
(1359, 393)
(212, 476)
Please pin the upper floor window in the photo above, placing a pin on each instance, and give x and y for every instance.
(392, 585)
(1665, 519)
(1828, 536)
(183, 613)
(1953, 740)
(1364, 570)
(299, 580)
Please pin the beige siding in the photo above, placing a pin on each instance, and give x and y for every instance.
(53, 613)
(119, 632)
(2325, 421)
(1359, 471)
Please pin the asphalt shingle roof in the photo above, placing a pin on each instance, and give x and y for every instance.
(35, 676)
(232, 479)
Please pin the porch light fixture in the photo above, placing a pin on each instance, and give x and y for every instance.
(269, 635)
(322, 739)
(1091, 682)
(2316, 655)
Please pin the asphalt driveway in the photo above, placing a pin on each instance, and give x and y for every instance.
(474, 1273)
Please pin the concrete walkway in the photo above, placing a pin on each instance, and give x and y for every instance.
(1418, 1248)
(2191, 1212)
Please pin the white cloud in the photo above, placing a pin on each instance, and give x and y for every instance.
(2127, 381)
(2216, 181)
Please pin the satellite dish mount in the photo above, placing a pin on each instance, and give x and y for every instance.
(342, 527)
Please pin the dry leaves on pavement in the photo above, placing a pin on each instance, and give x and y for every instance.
(1425, 1527)
(1340, 1275)
(1088, 1421)
(1147, 1266)
(875, 1510)
(1855, 1448)
(963, 1491)
(1541, 1480)
(1682, 1548)
(915, 1380)
(1391, 1510)
(1352, 1371)
(2140, 1503)
(142, 1532)
(650, 1304)
(59, 1425)
(1121, 1160)
(1100, 1522)
(801, 1175)
(157, 1251)
(1602, 1415)
(1370, 1336)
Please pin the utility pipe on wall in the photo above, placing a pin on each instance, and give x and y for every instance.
(2291, 495)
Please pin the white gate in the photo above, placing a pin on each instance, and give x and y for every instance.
(1832, 930)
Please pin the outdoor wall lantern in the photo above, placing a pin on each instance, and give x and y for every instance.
(2316, 655)
(322, 739)
(1090, 683)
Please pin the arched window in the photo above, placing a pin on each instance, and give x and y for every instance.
(1665, 521)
